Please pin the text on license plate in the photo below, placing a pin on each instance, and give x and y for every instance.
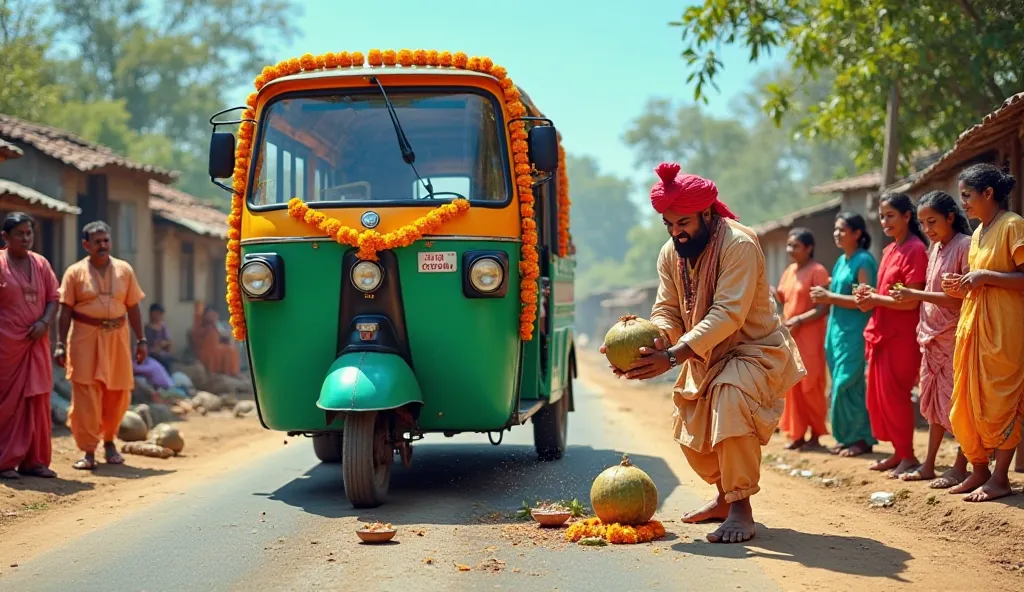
(438, 262)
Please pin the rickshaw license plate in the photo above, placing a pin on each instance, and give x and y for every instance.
(439, 262)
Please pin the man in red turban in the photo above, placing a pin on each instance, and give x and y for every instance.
(721, 328)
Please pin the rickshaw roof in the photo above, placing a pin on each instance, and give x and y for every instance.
(398, 71)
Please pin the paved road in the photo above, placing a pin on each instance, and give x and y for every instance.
(282, 523)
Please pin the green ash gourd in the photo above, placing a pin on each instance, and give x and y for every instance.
(624, 340)
(624, 494)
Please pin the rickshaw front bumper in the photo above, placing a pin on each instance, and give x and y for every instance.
(368, 381)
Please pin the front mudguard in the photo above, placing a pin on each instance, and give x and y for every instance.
(368, 381)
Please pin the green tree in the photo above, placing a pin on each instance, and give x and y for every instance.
(602, 214)
(952, 62)
(146, 76)
(27, 87)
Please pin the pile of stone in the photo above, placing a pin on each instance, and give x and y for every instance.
(161, 440)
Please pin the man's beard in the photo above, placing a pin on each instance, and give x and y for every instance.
(694, 245)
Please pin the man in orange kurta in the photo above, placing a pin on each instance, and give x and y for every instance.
(216, 351)
(721, 329)
(99, 298)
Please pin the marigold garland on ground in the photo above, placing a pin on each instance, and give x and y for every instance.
(370, 242)
(529, 269)
(616, 534)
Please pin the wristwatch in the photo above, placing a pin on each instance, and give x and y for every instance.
(672, 362)
(142, 342)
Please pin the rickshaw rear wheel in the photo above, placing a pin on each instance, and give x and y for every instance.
(327, 447)
(551, 428)
(367, 454)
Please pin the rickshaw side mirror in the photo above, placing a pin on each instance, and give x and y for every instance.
(543, 143)
(222, 155)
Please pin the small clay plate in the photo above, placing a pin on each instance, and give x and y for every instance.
(376, 536)
(548, 518)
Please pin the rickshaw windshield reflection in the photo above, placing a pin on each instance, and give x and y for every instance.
(343, 148)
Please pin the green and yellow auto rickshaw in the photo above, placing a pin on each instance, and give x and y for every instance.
(399, 257)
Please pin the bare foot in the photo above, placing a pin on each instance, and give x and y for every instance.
(949, 479)
(715, 510)
(978, 478)
(884, 465)
(906, 465)
(111, 455)
(738, 526)
(993, 489)
(795, 444)
(856, 449)
(920, 474)
(838, 448)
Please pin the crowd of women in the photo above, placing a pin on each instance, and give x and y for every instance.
(942, 311)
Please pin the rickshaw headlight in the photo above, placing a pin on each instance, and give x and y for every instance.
(367, 276)
(257, 278)
(486, 275)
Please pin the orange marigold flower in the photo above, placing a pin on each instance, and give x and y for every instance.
(522, 169)
(524, 180)
(445, 59)
(520, 146)
(330, 60)
(516, 109)
(473, 64)
(321, 61)
(521, 158)
(512, 95)
(234, 233)
(375, 58)
(526, 211)
(294, 66)
(520, 134)
(529, 224)
(250, 100)
(390, 57)
(405, 57)
(486, 64)
(433, 57)
(419, 57)
(460, 59)
(506, 83)
(344, 60)
(357, 59)
(499, 72)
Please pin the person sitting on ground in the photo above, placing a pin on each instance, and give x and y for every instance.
(212, 347)
(159, 338)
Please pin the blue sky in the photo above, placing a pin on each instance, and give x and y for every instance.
(590, 66)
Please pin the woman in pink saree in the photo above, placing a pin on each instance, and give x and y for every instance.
(28, 304)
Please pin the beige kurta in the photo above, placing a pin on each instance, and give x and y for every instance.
(745, 359)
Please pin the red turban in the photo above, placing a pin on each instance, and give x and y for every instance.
(685, 194)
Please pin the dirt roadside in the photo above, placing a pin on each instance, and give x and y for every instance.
(36, 514)
(821, 532)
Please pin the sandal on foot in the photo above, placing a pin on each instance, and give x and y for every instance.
(9, 474)
(84, 464)
(114, 459)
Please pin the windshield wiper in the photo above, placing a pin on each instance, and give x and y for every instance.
(403, 142)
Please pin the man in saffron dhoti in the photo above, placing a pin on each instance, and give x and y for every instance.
(721, 328)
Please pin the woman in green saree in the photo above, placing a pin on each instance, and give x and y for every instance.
(844, 339)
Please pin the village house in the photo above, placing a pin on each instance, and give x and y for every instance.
(819, 219)
(997, 140)
(175, 243)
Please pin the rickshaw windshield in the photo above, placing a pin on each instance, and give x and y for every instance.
(342, 148)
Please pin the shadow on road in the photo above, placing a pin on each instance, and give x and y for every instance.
(461, 484)
(842, 554)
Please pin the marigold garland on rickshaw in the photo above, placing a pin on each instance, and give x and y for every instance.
(564, 203)
(616, 534)
(529, 269)
(370, 242)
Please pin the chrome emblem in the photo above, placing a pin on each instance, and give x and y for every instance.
(370, 219)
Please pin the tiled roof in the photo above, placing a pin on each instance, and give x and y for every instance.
(27, 194)
(8, 150)
(870, 180)
(1007, 118)
(72, 150)
(791, 218)
(185, 210)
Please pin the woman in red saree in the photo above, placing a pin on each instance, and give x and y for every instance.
(28, 304)
(894, 356)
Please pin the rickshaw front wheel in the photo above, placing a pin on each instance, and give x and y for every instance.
(327, 447)
(551, 428)
(366, 458)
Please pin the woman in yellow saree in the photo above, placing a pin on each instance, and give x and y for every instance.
(987, 406)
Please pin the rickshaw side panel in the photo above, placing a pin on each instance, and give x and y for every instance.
(563, 317)
(293, 342)
(465, 351)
